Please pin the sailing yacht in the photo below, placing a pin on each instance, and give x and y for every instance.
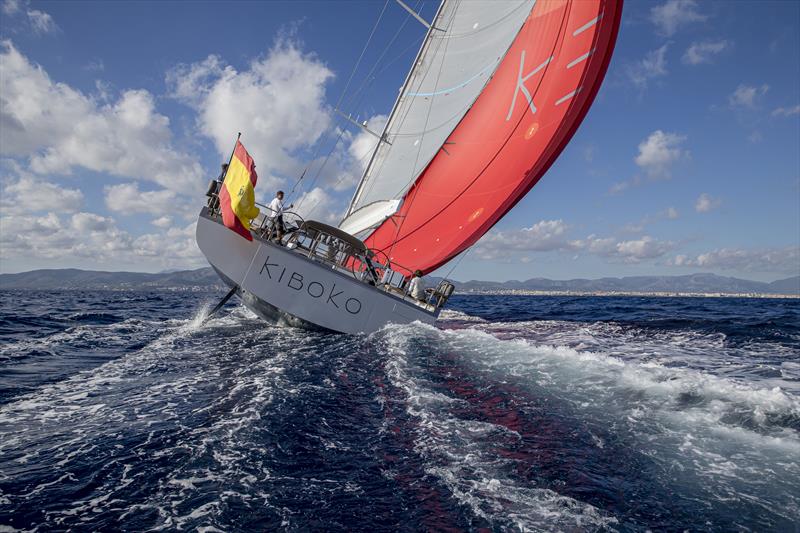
(497, 90)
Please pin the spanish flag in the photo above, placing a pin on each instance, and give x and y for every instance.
(237, 197)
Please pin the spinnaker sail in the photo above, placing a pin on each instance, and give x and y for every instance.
(462, 154)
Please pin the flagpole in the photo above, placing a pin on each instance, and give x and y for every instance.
(231, 157)
(236, 286)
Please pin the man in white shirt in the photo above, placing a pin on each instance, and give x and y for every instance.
(416, 288)
(276, 214)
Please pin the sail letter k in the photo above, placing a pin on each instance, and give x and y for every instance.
(521, 84)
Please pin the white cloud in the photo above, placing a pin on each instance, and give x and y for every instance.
(11, 7)
(346, 162)
(589, 152)
(551, 235)
(595, 245)
(671, 213)
(673, 14)
(779, 260)
(84, 222)
(706, 203)
(786, 111)
(704, 51)
(622, 186)
(351, 162)
(127, 198)
(36, 112)
(317, 204)
(162, 222)
(174, 247)
(644, 248)
(659, 152)
(30, 194)
(364, 143)
(545, 235)
(278, 104)
(95, 237)
(629, 251)
(41, 22)
(60, 128)
(653, 65)
(747, 96)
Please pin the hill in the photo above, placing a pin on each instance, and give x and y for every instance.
(206, 278)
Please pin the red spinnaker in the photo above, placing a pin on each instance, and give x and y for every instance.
(520, 123)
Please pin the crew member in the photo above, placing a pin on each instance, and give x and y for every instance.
(417, 287)
(276, 214)
(214, 187)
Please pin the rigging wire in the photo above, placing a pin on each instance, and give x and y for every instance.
(338, 182)
(361, 94)
(368, 79)
(458, 261)
(404, 111)
(344, 92)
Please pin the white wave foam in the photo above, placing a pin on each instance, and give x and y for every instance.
(715, 429)
(455, 452)
(453, 315)
(177, 376)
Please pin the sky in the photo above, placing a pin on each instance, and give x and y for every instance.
(115, 115)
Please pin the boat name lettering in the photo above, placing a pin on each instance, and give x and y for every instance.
(315, 289)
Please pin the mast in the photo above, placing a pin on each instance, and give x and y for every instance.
(415, 65)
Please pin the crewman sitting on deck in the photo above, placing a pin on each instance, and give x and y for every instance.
(417, 287)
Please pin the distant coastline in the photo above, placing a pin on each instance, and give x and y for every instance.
(205, 279)
(670, 294)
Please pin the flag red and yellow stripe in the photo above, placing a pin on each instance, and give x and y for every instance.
(237, 196)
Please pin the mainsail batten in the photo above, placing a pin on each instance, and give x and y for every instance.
(452, 68)
(510, 136)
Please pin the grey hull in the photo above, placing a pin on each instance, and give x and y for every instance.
(281, 285)
(267, 311)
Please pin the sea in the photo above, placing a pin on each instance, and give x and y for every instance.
(125, 411)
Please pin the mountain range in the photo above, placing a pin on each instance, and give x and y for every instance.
(205, 278)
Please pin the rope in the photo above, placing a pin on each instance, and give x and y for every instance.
(359, 92)
(341, 97)
(368, 79)
(403, 116)
(336, 184)
(458, 262)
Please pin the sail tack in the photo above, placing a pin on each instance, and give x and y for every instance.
(502, 143)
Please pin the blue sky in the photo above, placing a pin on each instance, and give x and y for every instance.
(116, 114)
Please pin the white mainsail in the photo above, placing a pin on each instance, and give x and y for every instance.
(468, 40)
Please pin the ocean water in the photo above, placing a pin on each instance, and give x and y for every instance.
(122, 411)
